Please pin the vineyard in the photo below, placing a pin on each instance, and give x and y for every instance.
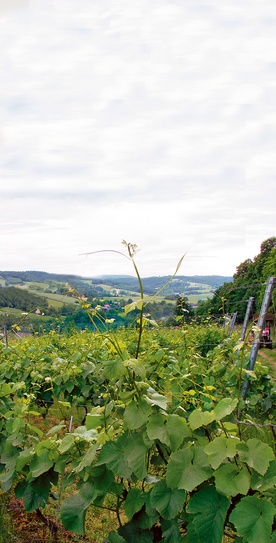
(162, 440)
(164, 434)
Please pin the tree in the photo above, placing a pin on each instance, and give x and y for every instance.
(268, 245)
(244, 269)
(269, 270)
(249, 280)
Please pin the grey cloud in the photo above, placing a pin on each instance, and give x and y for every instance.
(78, 196)
(17, 105)
(58, 170)
(162, 107)
(12, 5)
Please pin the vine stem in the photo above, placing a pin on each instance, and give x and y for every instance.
(118, 512)
(53, 527)
(131, 248)
(141, 310)
(229, 534)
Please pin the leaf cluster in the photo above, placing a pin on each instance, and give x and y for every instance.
(161, 443)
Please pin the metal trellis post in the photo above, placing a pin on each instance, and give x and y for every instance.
(247, 317)
(260, 326)
(232, 323)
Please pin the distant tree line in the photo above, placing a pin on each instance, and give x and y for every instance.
(37, 276)
(71, 316)
(249, 280)
(18, 298)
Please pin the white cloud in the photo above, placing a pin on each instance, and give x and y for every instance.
(153, 122)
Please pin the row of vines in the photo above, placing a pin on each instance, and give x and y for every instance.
(150, 423)
(163, 439)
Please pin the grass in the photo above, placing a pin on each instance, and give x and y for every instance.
(6, 526)
(268, 358)
(54, 299)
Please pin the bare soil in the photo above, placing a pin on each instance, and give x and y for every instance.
(29, 528)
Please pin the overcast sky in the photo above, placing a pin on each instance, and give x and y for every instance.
(152, 121)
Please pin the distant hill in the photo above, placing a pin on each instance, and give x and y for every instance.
(46, 301)
(36, 276)
(180, 285)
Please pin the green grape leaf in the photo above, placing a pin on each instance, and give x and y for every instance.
(113, 369)
(138, 304)
(230, 427)
(225, 407)
(6, 389)
(221, 448)
(56, 428)
(187, 469)
(135, 455)
(102, 478)
(266, 481)
(136, 414)
(231, 480)
(256, 454)
(148, 516)
(133, 533)
(157, 429)
(36, 492)
(208, 510)
(84, 433)
(73, 510)
(170, 531)
(23, 458)
(136, 366)
(66, 443)
(34, 500)
(168, 502)
(134, 502)
(41, 464)
(87, 459)
(177, 430)
(114, 537)
(200, 418)
(154, 398)
(93, 420)
(253, 518)
(113, 456)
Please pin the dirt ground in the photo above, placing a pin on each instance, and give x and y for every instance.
(29, 528)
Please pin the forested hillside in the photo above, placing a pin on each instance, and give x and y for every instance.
(21, 299)
(249, 280)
